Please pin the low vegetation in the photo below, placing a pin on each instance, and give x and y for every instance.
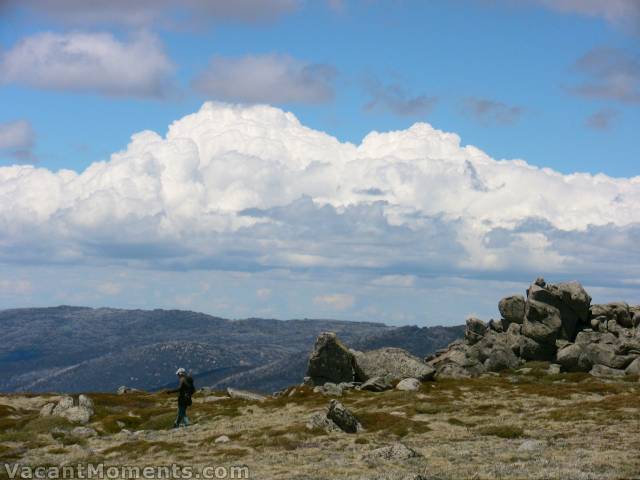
(572, 426)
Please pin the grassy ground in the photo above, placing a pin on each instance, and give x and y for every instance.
(512, 426)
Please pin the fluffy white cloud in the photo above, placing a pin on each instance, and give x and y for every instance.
(89, 62)
(250, 188)
(266, 79)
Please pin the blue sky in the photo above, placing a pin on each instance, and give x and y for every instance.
(556, 84)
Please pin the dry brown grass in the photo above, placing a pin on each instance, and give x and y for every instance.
(471, 428)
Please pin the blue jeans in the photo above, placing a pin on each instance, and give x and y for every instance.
(182, 416)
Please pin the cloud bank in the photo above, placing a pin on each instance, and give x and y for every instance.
(252, 189)
(89, 62)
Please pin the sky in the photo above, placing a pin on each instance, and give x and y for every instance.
(400, 161)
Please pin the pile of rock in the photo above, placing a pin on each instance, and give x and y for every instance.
(336, 418)
(333, 368)
(79, 410)
(555, 323)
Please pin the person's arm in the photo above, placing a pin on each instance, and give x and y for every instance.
(176, 390)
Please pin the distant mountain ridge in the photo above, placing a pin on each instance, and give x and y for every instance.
(74, 349)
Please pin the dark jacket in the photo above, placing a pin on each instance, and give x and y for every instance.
(184, 390)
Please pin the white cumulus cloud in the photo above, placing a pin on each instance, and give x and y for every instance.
(89, 62)
(252, 189)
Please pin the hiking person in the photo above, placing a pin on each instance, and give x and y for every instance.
(185, 390)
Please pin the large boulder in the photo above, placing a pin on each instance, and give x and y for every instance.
(475, 330)
(331, 361)
(618, 311)
(501, 358)
(512, 309)
(394, 363)
(494, 352)
(343, 418)
(542, 322)
(634, 367)
(554, 311)
(595, 348)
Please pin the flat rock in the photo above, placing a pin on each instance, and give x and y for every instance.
(531, 446)
(409, 385)
(378, 384)
(245, 395)
(395, 451)
(123, 390)
(604, 371)
(394, 362)
(84, 432)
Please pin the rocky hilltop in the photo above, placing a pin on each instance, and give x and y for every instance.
(555, 323)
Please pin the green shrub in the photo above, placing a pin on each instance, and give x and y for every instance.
(502, 431)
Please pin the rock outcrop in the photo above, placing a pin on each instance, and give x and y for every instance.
(332, 362)
(335, 418)
(555, 323)
(79, 411)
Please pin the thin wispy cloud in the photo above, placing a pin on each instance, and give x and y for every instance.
(147, 13)
(396, 99)
(491, 112)
(17, 139)
(621, 13)
(602, 119)
(272, 78)
(335, 301)
(89, 63)
(609, 73)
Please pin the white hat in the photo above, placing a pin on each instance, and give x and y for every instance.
(181, 371)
